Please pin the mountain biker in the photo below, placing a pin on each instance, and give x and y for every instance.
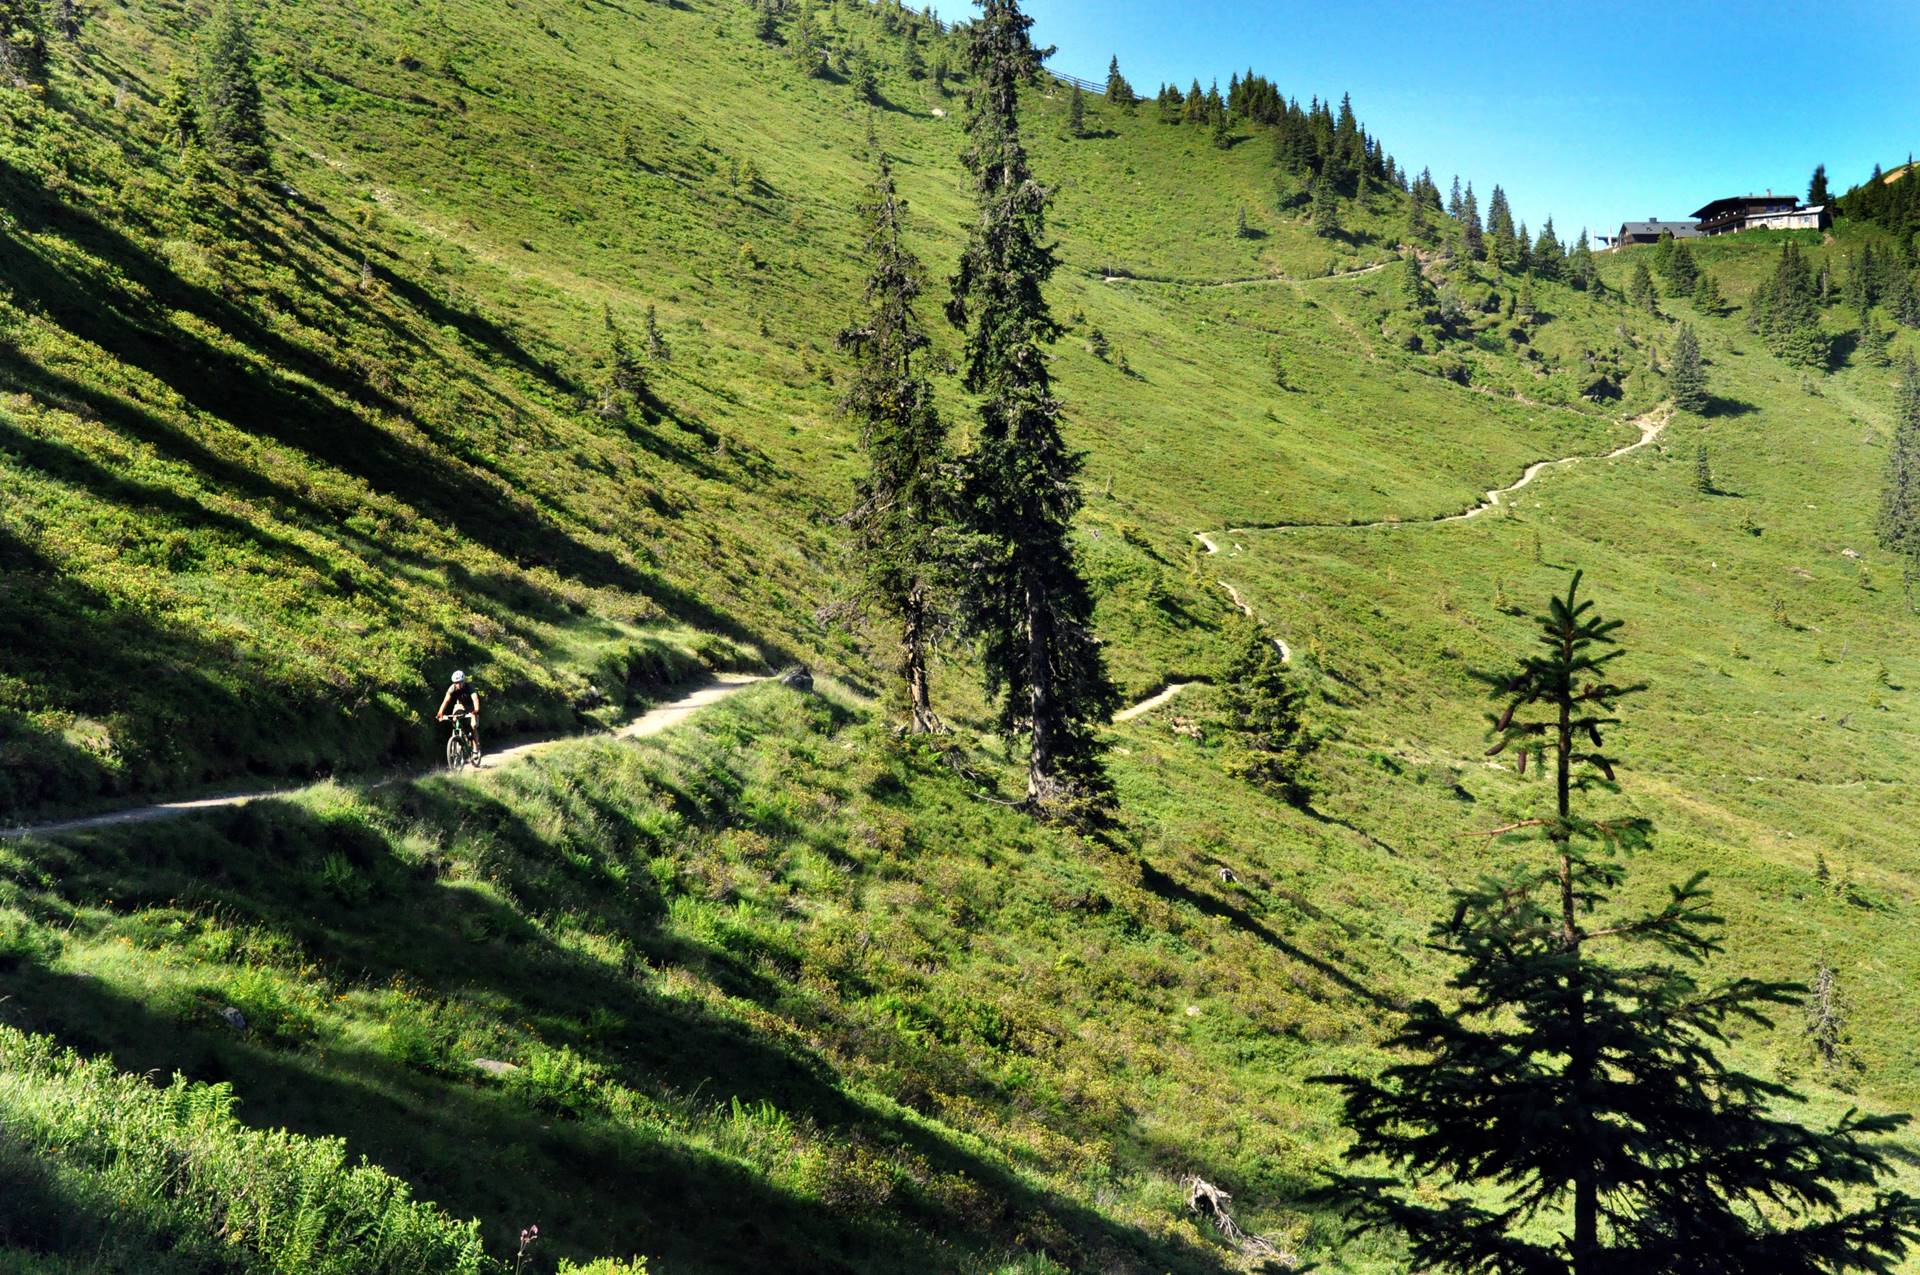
(462, 699)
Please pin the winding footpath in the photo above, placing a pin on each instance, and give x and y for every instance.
(652, 722)
(1650, 424)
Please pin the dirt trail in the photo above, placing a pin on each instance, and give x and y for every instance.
(1650, 424)
(1248, 281)
(652, 722)
(1152, 702)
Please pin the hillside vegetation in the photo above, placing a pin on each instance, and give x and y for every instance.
(781, 991)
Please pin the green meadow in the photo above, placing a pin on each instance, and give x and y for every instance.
(777, 990)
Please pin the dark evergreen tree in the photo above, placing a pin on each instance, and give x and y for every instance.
(1702, 470)
(1119, 92)
(23, 44)
(1265, 714)
(912, 61)
(182, 114)
(1501, 240)
(1222, 129)
(233, 117)
(864, 79)
(1789, 320)
(657, 350)
(766, 22)
(1023, 593)
(1453, 199)
(1414, 283)
(1640, 290)
(1418, 226)
(1522, 250)
(1548, 258)
(1569, 1113)
(1682, 274)
(626, 378)
(1706, 295)
(1472, 239)
(903, 502)
(1326, 208)
(1077, 113)
(1817, 195)
(1582, 273)
(1687, 372)
(1241, 229)
(1195, 105)
(807, 47)
(1872, 349)
(1899, 521)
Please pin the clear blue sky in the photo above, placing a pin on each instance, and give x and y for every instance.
(1595, 113)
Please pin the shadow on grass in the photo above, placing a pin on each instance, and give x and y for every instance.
(1158, 882)
(596, 1184)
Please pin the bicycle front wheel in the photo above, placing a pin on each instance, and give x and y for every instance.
(456, 752)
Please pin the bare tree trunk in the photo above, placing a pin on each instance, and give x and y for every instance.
(913, 660)
(1042, 787)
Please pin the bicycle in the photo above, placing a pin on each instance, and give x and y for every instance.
(462, 750)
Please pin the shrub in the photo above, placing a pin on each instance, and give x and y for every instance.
(145, 1175)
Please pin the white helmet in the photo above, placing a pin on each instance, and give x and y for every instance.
(458, 677)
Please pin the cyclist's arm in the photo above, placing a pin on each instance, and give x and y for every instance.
(444, 701)
(474, 704)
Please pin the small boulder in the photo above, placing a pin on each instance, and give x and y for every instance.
(799, 677)
(494, 1067)
(234, 1018)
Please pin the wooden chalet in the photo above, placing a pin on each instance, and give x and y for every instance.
(1760, 212)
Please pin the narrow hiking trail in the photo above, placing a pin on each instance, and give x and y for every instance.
(1651, 425)
(1154, 701)
(655, 720)
(1248, 281)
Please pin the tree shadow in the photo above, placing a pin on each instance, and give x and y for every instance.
(478, 1148)
(1718, 406)
(1158, 882)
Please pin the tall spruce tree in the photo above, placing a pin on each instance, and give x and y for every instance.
(182, 113)
(1501, 241)
(1681, 271)
(1326, 208)
(1222, 129)
(1789, 321)
(1119, 92)
(1706, 295)
(1640, 290)
(1471, 236)
(1265, 714)
(1582, 273)
(233, 118)
(1687, 372)
(905, 498)
(23, 44)
(1077, 113)
(1023, 595)
(1899, 521)
(1817, 193)
(1569, 1114)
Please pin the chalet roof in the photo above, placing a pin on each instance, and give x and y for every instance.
(1678, 229)
(1738, 203)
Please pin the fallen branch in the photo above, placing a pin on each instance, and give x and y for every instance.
(1210, 1202)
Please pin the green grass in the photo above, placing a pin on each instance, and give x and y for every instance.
(275, 461)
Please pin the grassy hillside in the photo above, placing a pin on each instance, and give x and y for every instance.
(777, 993)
